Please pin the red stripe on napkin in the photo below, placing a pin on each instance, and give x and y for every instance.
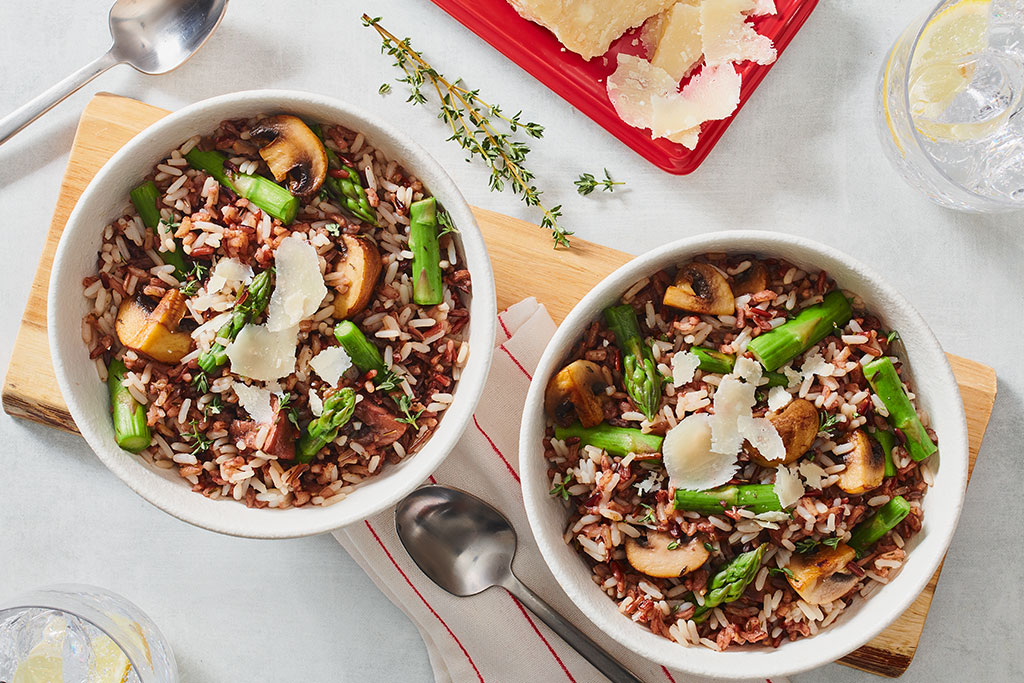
(542, 638)
(420, 595)
(493, 446)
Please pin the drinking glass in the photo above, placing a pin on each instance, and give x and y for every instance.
(80, 633)
(949, 111)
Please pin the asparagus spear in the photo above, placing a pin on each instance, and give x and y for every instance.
(145, 197)
(730, 581)
(886, 440)
(323, 430)
(777, 347)
(868, 532)
(130, 429)
(253, 303)
(757, 498)
(641, 377)
(886, 384)
(263, 192)
(427, 288)
(361, 350)
(616, 440)
(347, 190)
(722, 363)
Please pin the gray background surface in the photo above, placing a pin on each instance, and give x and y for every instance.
(803, 158)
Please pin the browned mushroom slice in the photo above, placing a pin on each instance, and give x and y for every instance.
(865, 466)
(665, 557)
(357, 274)
(152, 329)
(700, 288)
(797, 426)
(751, 281)
(819, 577)
(577, 389)
(292, 150)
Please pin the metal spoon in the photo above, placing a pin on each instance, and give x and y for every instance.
(466, 546)
(154, 36)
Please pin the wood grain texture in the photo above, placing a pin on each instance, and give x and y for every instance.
(30, 389)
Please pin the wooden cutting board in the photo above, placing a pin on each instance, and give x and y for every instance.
(30, 389)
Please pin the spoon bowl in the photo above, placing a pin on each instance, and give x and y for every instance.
(466, 546)
(154, 36)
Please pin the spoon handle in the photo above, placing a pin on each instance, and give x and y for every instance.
(29, 112)
(590, 650)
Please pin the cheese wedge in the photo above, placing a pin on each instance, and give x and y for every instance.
(679, 47)
(588, 27)
(727, 37)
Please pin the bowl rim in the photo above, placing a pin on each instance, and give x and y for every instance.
(411, 472)
(778, 661)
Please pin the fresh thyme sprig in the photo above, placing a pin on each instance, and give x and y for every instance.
(827, 424)
(405, 405)
(476, 126)
(560, 490)
(587, 183)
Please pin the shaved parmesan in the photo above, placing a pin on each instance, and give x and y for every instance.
(778, 398)
(812, 474)
(316, 404)
(633, 87)
(228, 270)
(299, 287)
(254, 401)
(748, 370)
(773, 516)
(690, 460)
(816, 365)
(679, 44)
(331, 364)
(733, 401)
(684, 365)
(726, 36)
(763, 436)
(793, 376)
(588, 27)
(712, 94)
(787, 487)
(763, 8)
(687, 138)
(262, 354)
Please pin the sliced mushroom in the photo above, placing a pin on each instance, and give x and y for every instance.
(153, 329)
(797, 425)
(751, 281)
(359, 271)
(701, 288)
(865, 466)
(577, 389)
(652, 556)
(290, 148)
(819, 577)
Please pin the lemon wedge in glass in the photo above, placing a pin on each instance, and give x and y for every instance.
(45, 661)
(109, 664)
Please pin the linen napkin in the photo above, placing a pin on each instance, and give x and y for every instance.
(490, 636)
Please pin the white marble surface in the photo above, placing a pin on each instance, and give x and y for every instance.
(802, 157)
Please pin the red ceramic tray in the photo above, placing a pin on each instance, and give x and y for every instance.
(582, 83)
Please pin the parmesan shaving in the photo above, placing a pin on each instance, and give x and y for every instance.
(228, 270)
(684, 366)
(261, 354)
(733, 400)
(331, 364)
(299, 285)
(254, 401)
(316, 404)
(816, 365)
(690, 460)
(812, 474)
(727, 37)
(763, 436)
(679, 45)
(787, 487)
(778, 398)
(712, 94)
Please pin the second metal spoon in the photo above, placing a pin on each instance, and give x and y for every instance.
(466, 546)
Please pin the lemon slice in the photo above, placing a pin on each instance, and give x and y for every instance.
(45, 661)
(940, 70)
(109, 663)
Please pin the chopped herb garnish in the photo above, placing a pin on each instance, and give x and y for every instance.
(649, 517)
(388, 381)
(587, 183)
(892, 336)
(384, 88)
(200, 442)
(827, 424)
(405, 405)
(333, 229)
(832, 542)
(560, 488)
(447, 226)
(781, 570)
(200, 382)
(805, 545)
(479, 128)
(284, 402)
(194, 279)
(214, 407)
(673, 545)
(710, 548)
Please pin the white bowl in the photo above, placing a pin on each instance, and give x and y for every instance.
(935, 387)
(86, 396)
